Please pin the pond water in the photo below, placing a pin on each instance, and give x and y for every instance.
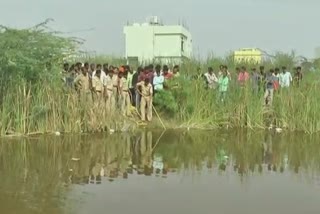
(157, 172)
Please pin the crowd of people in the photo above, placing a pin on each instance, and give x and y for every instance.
(118, 87)
(268, 82)
(121, 87)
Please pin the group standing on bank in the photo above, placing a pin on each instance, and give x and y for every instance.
(261, 81)
(121, 87)
(113, 87)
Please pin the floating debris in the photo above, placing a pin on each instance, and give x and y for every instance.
(278, 130)
(75, 159)
(57, 133)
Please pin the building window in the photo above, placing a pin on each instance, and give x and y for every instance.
(182, 44)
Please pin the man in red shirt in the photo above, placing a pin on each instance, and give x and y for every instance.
(167, 75)
(150, 73)
(243, 76)
(143, 75)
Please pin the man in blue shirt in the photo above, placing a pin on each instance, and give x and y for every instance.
(268, 95)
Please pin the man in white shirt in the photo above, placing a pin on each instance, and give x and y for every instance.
(103, 73)
(285, 78)
(158, 80)
(211, 79)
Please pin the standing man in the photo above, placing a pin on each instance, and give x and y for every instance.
(167, 75)
(268, 95)
(136, 95)
(176, 71)
(255, 80)
(277, 75)
(130, 74)
(92, 68)
(228, 72)
(108, 88)
(77, 68)
(158, 80)
(103, 72)
(221, 69)
(262, 78)
(65, 71)
(105, 67)
(285, 78)
(298, 76)
(116, 84)
(146, 99)
(82, 85)
(243, 76)
(211, 79)
(150, 74)
(223, 86)
(97, 87)
(124, 94)
(87, 66)
(143, 74)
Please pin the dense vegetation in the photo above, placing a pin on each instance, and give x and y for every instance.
(294, 109)
(34, 100)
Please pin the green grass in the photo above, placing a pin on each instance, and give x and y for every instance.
(296, 109)
(50, 107)
(33, 99)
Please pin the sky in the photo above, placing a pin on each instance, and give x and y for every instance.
(217, 26)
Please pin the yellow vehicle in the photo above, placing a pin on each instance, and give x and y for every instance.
(248, 55)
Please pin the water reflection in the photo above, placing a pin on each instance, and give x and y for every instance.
(37, 173)
(119, 157)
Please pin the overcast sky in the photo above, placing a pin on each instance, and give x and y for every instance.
(217, 26)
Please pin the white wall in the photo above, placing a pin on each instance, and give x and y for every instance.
(167, 46)
(148, 42)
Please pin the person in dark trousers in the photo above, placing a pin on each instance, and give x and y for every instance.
(262, 79)
(298, 76)
(255, 80)
(130, 73)
(135, 95)
(269, 88)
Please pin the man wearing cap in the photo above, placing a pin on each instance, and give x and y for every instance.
(146, 99)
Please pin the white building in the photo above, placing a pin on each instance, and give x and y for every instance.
(153, 41)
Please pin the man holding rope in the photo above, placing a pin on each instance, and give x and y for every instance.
(146, 99)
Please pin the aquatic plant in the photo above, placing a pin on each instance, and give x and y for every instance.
(33, 99)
